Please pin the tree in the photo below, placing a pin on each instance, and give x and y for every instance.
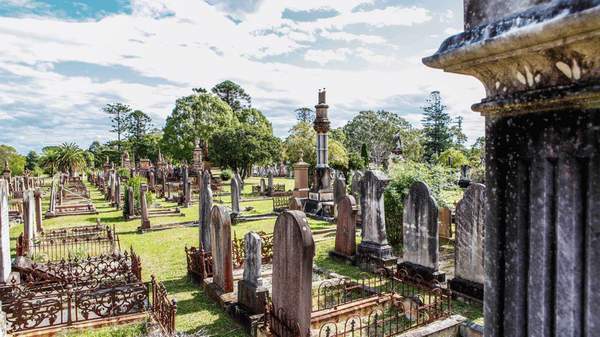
(305, 114)
(70, 158)
(195, 117)
(49, 160)
(436, 126)
(119, 113)
(452, 158)
(256, 119)
(460, 139)
(31, 161)
(16, 162)
(376, 129)
(137, 125)
(232, 94)
(302, 140)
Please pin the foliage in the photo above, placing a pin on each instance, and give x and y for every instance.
(436, 126)
(136, 182)
(232, 94)
(364, 154)
(137, 126)
(119, 113)
(254, 118)
(452, 158)
(67, 158)
(226, 175)
(124, 172)
(102, 151)
(355, 162)
(16, 162)
(376, 129)
(305, 114)
(195, 117)
(460, 139)
(31, 161)
(302, 141)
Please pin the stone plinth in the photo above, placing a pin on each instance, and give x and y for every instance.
(301, 188)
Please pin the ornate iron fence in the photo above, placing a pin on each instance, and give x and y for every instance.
(199, 263)
(239, 250)
(163, 309)
(55, 248)
(281, 201)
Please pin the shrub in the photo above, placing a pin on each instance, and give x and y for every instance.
(226, 175)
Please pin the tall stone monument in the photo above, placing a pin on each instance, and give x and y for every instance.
(144, 207)
(539, 62)
(420, 234)
(206, 201)
(293, 253)
(374, 250)
(221, 249)
(252, 295)
(322, 126)
(5, 259)
(468, 250)
(270, 182)
(301, 188)
(197, 161)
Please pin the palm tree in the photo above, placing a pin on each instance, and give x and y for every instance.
(70, 158)
(49, 160)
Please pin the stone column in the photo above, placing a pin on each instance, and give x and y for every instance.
(345, 235)
(235, 196)
(206, 201)
(542, 111)
(144, 207)
(252, 295)
(374, 250)
(420, 234)
(221, 249)
(293, 253)
(163, 181)
(339, 191)
(38, 210)
(468, 250)
(263, 186)
(151, 180)
(5, 259)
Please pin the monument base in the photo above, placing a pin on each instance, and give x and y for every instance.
(251, 298)
(372, 256)
(415, 271)
(468, 289)
(342, 257)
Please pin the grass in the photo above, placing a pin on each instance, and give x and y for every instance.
(163, 255)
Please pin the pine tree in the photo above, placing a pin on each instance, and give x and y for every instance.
(436, 126)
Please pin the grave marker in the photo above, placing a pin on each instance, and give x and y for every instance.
(221, 248)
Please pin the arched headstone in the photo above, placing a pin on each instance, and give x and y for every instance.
(345, 235)
(206, 201)
(221, 248)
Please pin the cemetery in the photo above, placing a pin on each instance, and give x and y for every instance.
(212, 225)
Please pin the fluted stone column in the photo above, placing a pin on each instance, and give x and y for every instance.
(540, 64)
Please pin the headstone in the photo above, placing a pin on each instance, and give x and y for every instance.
(221, 248)
(263, 186)
(295, 204)
(421, 241)
(5, 259)
(293, 253)
(301, 188)
(206, 201)
(130, 202)
(185, 186)
(538, 62)
(468, 250)
(270, 185)
(445, 216)
(163, 181)
(235, 196)
(117, 196)
(38, 210)
(252, 295)
(144, 207)
(29, 228)
(345, 235)
(151, 180)
(339, 189)
(374, 250)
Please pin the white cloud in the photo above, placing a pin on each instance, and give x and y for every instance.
(323, 57)
(451, 31)
(349, 37)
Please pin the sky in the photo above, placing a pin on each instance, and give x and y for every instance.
(61, 61)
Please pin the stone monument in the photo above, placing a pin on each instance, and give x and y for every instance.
(221, 249)
(345, 235)
(206, 201)
(252, 295)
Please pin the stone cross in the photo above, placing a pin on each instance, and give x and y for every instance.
(420, 226)
(345, 235)
(235, 196)
(221, 248)
(293, 253)
(374, 236)
(206, 201)
(144, 207)
(5, 259)
(38, 210)
(251, 293)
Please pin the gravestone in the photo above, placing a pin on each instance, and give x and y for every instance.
(252, 295)
(301, 188)
(374, 250)
(206, 201)
(295, 204)
(163, 181)
(144, 207)
(339, 191)
(468, 250)
(117, 196)
(345, 235)
(235, 196)
(29, 228)
(420, 234)
(151, 180)
(38, 210)
(538, 61)
(185, 186)
(293, 253)
(5, 259)
(221, 249)
(130, 203)
(263, 186)
(445, 216)
(270, 183)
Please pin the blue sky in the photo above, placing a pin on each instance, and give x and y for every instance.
(63, 60)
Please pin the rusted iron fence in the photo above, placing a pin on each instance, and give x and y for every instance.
(239, 249)
(199, 263)
(163, 309)
(281, 201)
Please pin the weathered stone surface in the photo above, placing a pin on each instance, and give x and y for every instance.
(221, 248)
(270, 182)
(5, 262)
(295, 204)
(293, 253)
(301, 188)
(117, 196)
(38, 210)
(420, 224)
(235, 196)
(253, 260)
(151, 180)
(206, 202)
(29, 228)
(144, 207)
(470, 233)
(373, 210)
(345, 236)
(263, 186)
(339, 189)
(356, 184)
(184, 186)
(445, 216)
(130, 202)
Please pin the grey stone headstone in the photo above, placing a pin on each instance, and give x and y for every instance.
(270, 182)
(263, 186)
(29, 228)
(339, 189)
(131, 201)
(372, 206)
(5, 260)
(221, 248)
(293, 253)
(420, 224)
(356, 184)
(253, 260)
(470, 233)
(206, 202)
(235, 196)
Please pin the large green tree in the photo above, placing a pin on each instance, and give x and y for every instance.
(195, 117)
(436, 126)
(137, 127)
(31, 161)
(118, 113)
(16, 162)
(375, 129)
(232, 94)
(305, 114)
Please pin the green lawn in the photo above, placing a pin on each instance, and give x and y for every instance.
(162, 254)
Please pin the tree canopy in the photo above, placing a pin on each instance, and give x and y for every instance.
(232, 94)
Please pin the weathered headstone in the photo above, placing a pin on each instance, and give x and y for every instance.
(270, 183)
(301, 188)
(29, 228)
(185, 186)
(206, 201)
(468, 251)
(252, 295)
(235, 196)
(420, 227)
(445, 216)
(295, 204)
(130, 202)
(151, 180)
(293, 253)
(38, 210)
(345, 235)
(221, 249)
(5, 259)
(374, 249)
(263, 186)
(117, 196)
(144, 207)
